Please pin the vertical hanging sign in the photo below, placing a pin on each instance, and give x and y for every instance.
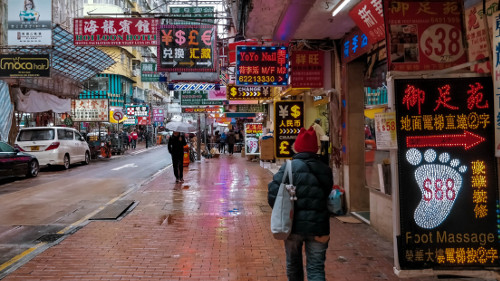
(447, 173)
(495, 40)
(289, 118)
(252, 133)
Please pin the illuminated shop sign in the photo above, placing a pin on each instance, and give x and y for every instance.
(189, 48)
(247, 93)
(368, 16)
(24, 65)
(252, 133)
(447, 173)
(354, 45)
(289, 118)
(262, 66)
(115, 32)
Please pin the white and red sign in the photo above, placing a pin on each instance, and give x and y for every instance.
(88, 110)
(424, 36)
(477, 36)
(115, 31)
(368, 16)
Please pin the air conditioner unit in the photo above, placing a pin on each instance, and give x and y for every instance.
(136, 72)
(126, 10)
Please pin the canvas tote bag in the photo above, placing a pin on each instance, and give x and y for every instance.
(282, 215)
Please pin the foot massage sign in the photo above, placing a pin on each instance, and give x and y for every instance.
(448, 199)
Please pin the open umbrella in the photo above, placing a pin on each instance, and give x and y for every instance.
(177, 126)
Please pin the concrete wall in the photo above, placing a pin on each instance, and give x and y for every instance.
(381, 213)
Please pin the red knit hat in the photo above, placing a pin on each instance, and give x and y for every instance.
(306, 141)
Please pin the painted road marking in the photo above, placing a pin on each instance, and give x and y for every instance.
(133, 165)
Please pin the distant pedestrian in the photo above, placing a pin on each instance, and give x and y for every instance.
(176, 145)
(147, 138)
(311, 221)
(231, 140)
(222, 143)
(125, 139)
(134, 136)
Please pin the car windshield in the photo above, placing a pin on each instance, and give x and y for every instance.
(36, 134)
(5, 147)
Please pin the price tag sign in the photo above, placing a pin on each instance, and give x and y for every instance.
(424, 35)
(385, 130)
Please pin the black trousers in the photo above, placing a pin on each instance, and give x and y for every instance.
(230, 148)
(178, 165)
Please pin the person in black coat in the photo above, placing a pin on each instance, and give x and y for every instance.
(311, 222)
(176, 145)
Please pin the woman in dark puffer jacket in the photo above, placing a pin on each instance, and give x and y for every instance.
(311, 222)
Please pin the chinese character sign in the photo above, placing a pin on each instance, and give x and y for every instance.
(289, 118)
(252, 133)
(495, 40)
(424, 35)
(203, 15)
(307, 69)
(189, 48)
(262, 66)
(115, 31)
(197, 98)
(29, 23)
(368, 16)
(354, 45)
(447, 173)
(89, 110)
(477, 35)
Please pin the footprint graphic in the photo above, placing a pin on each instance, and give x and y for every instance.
(440, 184)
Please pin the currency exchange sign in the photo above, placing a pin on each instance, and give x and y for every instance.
(247, 92)
(186, 48)
(289, 118)
(448, 185)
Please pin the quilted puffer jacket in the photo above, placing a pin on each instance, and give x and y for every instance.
(314, 181)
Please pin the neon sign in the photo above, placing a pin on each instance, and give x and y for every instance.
(265, 66)
(289, 118)
(447, 173)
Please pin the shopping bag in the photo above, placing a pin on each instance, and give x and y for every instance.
(282, 215)
(335, 201)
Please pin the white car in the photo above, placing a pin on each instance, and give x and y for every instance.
(54, 145)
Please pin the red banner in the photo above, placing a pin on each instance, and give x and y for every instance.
(424, 35)
(307, 69)
(115, 31)
(368, 16)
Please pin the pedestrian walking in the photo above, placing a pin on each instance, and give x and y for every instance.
(147, 137)
(176, 145)
(231, 140)
(125, 139)
(222, 144)
(134, 136)
(311, 222)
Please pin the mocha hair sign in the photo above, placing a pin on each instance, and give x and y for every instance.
(24, 65)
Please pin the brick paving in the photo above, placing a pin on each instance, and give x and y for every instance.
(215, 226)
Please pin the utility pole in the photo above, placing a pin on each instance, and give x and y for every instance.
(198, 140)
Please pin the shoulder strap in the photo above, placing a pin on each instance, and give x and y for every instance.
(285, 173)
(289, 170)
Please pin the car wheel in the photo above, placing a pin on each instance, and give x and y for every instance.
(66, 162)
(33, 169)
(87, 158)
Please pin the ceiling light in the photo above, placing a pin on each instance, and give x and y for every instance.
(340, 6)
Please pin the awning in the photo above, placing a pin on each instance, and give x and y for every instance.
(76, 62)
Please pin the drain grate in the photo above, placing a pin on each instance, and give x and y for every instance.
(49, 238)
(113, 211)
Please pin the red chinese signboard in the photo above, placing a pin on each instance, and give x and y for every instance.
(307, 69)
(186, 48)
(424, 35)
(115, 31)
(265, 66)
(368, 16)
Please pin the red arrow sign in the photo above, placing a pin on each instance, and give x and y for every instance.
(467, 140)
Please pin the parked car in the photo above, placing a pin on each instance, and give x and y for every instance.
(16, 163)
(54, 145)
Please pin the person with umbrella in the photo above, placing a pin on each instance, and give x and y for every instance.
(176, 145)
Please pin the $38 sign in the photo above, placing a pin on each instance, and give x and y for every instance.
(442, 43)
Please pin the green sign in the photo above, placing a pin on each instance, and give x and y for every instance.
(201, 15)
(197, 98)
(148, 72)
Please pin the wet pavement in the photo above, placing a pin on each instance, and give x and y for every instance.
(214, 226)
